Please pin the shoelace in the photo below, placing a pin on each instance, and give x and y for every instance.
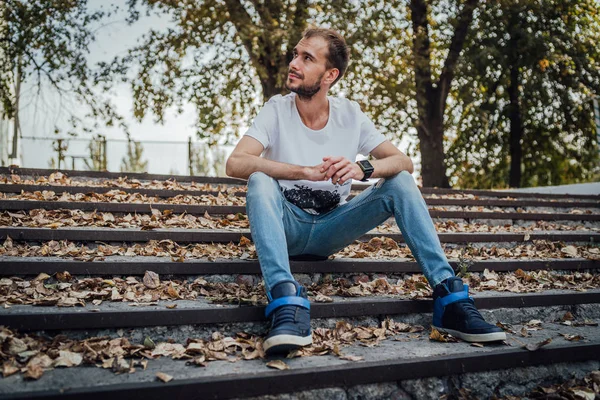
(283, 315)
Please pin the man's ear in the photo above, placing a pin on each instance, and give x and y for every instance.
(331, 75)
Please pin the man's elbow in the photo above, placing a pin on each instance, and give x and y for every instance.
(230, 166)
(408, 164)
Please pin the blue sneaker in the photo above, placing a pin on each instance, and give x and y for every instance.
(454, 312)
(289, 311)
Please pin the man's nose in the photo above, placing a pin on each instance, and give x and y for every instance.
(294, 64)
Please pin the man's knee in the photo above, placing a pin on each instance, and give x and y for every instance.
(402, 182)
(261, 184)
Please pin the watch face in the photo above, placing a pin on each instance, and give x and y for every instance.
(365, 164)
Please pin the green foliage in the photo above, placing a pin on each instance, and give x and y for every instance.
(228, 57)
(134, 162)
(554, 46)
(46, 43)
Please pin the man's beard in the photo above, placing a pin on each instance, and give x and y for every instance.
(306, 92)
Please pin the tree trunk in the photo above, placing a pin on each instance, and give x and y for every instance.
(432, 149)
(431, 99)
(270, 62)
(516, 128)
(516, 124)
(271, 85)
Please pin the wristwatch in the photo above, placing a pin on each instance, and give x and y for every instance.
(367, 169)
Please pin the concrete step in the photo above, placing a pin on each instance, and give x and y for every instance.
(402, 364)
(203, 311)
(471, 212)
(167, 219)
(225, 236)
(236, 193)
(138, 265)
(405, 367)
(34, 173)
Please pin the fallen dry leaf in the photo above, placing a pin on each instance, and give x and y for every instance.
(33, 372)
(583, 394)
(570, 251)
(164, 377)
(537, 346)
(321, 298)
(151, 280)
(278, 364)
(42, 277)
(67, 359)
(9, 368)
(571, 338)
(350, 357)
(568, 316)
(443, 337)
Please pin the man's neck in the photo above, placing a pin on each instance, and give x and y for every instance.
(314, 112)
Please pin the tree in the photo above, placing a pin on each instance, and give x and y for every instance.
(134, 161)
(228, 57)
(45, 43)
(524, 117)
(432, 94)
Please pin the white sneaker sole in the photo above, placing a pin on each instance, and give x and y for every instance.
(286, 341)
(476, 338)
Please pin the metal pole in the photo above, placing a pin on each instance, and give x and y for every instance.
(191, 170)
(104, 156)
(60, 150)
(597, 121)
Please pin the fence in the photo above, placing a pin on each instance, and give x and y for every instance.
(105, 154)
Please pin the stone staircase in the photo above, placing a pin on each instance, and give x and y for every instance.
(83, 317)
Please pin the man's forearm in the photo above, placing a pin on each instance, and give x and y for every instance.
(244, 165)
(390, 166)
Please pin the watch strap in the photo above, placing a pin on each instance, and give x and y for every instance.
(367, 171)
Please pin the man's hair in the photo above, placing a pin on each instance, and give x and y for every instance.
(339, 53)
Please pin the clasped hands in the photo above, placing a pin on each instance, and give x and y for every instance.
(339, 169)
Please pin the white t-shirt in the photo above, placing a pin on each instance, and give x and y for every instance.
(285, 138)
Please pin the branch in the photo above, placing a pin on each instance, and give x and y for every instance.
(242, 21)
(264, 12)
(422, 59)
(298, 26)
(456, 45)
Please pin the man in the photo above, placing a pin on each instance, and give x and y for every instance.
(296, 200)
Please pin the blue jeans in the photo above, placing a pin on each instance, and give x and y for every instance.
(281, 229)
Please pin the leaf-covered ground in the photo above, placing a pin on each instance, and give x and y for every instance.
(117, 196)
(64, 290)
(378, 248)
(33, 355)
(229, 199)
(60, 179)
(40, 218)
(228, 191)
